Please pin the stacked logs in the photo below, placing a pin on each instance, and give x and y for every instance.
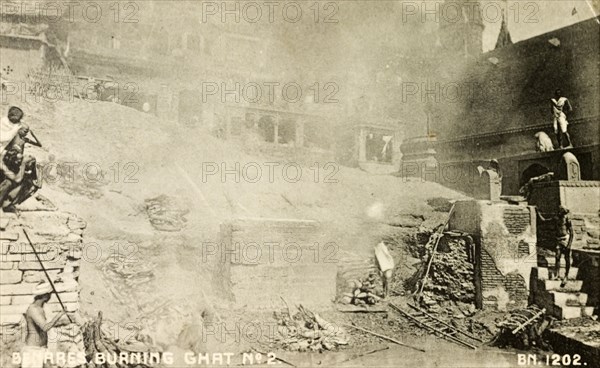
(307, 331)
(165, 214)
(523, 328)
(96, 341)
(363, 291)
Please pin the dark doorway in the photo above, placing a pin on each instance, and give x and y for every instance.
(531, 172)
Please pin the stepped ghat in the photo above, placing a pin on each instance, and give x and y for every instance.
(58, 239)
(511, 267)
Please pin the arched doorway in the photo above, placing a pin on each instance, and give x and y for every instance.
(531, 172)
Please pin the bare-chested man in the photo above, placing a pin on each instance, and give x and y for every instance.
(31, 182)
(9, 126)
(12, 170)
(564, 239)
(559, 106)
(36, 341)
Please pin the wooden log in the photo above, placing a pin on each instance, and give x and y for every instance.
(360, 355)
(357, 309)
(383, 337)
(526, 323)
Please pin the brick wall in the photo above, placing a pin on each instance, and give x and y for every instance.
(267, 259)
(57, 237)
(505, 238)
(499, 290)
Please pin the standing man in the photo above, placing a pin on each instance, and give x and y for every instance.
(385, 263)
(36, 341)
(559, 106)
(564, 239)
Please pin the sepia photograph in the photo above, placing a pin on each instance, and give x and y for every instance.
(299, 183)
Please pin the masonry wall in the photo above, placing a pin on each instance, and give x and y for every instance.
(267, 259)
(505, 239)
(581, 198)
(588, 263)
(57, 237)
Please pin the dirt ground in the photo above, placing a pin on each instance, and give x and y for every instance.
(143, 157)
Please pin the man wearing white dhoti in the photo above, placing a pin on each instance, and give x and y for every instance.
(559, 106)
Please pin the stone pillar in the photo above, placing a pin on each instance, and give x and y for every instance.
(569, 168)
(489, 186)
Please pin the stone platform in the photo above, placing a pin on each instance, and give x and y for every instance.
(58, 239)
(269, 259)
(582, 338)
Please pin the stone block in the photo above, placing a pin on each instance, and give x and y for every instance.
(7, 265)
(571, 285)
(22, 299)
(14, 309)
(10, 276)
(66, 297)
(53, 308)
(573, 271)
(10, 319)
(49, 265)
(4, 246)
(40, 248)
(9, 235)
(5, 299)
(38, 276)
(587, 311)
(16, 289)
(571, 299)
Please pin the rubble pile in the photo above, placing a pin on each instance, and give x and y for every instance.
(165, 213)
(122, 274)
(96, 340)
(363, 292)
(451, 276)
(307, 331)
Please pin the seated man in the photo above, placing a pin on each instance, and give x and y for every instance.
(9, 126)
(21, 138)
(16, 177)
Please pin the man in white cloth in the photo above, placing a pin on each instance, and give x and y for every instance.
(36, 341)
(559, 106)
(9, 126)
(385, 262)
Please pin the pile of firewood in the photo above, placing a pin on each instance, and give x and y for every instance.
(523, 328)
(363, 292)
(165, 213)
(97, 341)
(307, 331)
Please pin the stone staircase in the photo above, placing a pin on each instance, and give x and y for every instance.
(563, 302)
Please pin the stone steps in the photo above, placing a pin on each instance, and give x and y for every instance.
(569, 312)
(550, 262)
(570, 299)
(569, 286)
(563, 302)
(548, 273)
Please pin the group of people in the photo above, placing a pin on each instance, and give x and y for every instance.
(18, 172)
